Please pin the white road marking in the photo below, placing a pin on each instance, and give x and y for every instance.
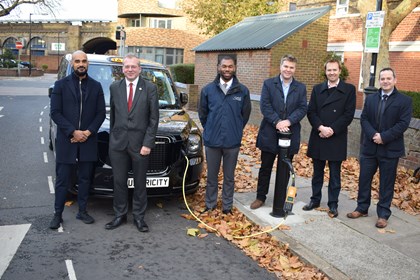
(42, 141)
(61, 229)
(45, 157)
(40, 129)
(51, 184)
(40, 119)
(45, 107)
(42, 112)
(70, 269)
(10, 238)
(1, 108)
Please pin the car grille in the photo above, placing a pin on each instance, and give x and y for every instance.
(160, 156)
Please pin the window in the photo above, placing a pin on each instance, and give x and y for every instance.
(168, 4)
(342, 7)
(135, 23)
(166, 56)
(160, 23)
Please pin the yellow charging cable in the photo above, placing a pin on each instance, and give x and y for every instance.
(212, 228)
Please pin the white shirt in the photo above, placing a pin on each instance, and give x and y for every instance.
(229, 83)
(134, 87)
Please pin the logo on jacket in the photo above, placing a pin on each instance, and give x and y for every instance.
(237, 98)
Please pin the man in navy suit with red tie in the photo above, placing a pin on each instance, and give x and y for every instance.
(386, 116)
(134, 119)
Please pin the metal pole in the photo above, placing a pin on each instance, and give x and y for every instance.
(58, 50)
(30, 48)
(372, 77)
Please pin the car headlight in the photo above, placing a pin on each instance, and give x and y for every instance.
(194, 143)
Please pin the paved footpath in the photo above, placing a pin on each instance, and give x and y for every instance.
(342, 248)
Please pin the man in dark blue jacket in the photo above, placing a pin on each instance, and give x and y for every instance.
(283, 104)
(385, 117)
(224, 111)
(78, 109)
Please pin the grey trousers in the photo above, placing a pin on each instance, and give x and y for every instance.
(214, 156)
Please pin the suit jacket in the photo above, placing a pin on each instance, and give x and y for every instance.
(138, 127)
(336, 111)
(65, 112)
(274, 110)
(395, 121)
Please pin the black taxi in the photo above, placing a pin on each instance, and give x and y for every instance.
(178, 137)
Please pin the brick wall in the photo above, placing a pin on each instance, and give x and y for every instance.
(406, 65)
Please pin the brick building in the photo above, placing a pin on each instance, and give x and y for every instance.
(259, 43)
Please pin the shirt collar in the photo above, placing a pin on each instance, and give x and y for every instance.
(229, 83)
(134, 82)
(330, 85)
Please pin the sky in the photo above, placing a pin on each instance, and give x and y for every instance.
(71, 10)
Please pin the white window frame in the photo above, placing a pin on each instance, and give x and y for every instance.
(342, 8)
(154, 23)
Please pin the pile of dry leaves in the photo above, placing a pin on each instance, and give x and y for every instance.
(265, 249)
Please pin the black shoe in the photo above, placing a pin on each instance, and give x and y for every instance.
(141, 225)
(310, 206)
(207, 210)
(333, 212)
(85, 217)
(55, 222)
(227, 212)
(116, 222)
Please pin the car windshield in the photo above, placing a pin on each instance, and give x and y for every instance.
(107, 74)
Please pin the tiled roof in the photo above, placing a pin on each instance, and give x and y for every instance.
(262, 32)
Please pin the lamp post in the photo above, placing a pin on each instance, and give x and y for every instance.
(30, 43)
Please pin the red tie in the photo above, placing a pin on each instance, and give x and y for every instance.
(130, 97)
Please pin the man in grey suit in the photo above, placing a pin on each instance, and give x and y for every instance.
(134, 118)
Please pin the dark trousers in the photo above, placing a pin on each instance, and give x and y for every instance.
(264, 174)
(214, 156)
(387, 176)
(64, 173)
(334, 185)
(122, 162)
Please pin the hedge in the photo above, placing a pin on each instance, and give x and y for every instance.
(183, 73)
(416, 102)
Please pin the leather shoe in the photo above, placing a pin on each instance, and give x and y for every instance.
(207, 210)
(333, 212)
(116, 222)
(56, 221)
(141, 225)
(310, 206)
(381, 223)
(227, 212)
(356, 214)
(257, 204)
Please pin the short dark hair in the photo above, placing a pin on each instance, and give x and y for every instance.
(288, 57)
(332, 60)
(388, 69)
(227, 57)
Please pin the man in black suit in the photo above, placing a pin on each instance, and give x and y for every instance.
(385, 117)
(78, 109)
(330, 111)
(134, 119)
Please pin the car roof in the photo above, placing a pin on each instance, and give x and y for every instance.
(113, 59)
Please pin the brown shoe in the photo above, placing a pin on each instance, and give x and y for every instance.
(356, 214)
(381, 223)
(257, 204)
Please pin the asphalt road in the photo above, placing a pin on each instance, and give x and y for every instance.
(29, 250)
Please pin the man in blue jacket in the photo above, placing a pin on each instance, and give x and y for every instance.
(224, 111)
(78, 109)
(283, 105)
(385, 117)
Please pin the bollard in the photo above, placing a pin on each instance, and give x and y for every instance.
(282, 174)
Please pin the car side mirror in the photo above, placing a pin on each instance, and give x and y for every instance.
(183, 97)
(50, 90)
